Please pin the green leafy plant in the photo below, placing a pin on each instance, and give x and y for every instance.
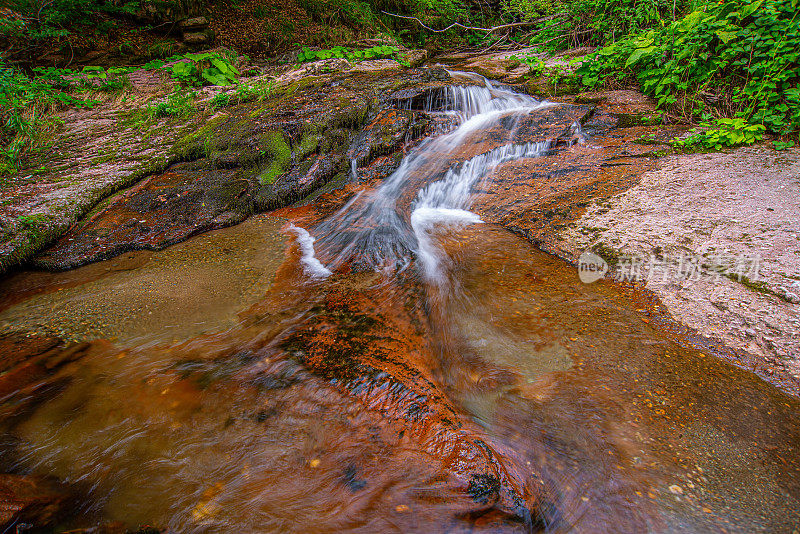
(535, 64)
(725, 133)
(205, 68)
(376, 52)
(179, 103)
(34, 25)
(728, 59)
(26, 103)
(260, 90)
(220, 100)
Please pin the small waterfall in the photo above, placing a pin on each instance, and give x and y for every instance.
(422, 220)
(373, 230)
(454, 190)
(446, 201)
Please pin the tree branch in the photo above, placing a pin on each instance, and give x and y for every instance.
(488, 30)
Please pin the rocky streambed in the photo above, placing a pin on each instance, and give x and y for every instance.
(342, 305)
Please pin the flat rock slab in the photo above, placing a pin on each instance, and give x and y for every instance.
(163, 210)
(735, 213)
(196, 286)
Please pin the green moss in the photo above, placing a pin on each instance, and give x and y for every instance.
(197, 142)
(105, 155)
(757, 286)
(136, 118)
(610, 255)
(308, 145)
(274, 145)
(627, 120)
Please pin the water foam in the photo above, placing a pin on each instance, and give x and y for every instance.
(374, 231)
(422, 221)
(312, 266)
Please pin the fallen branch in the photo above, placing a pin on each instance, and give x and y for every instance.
(475, 28)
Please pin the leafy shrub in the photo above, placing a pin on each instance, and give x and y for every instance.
(258, 90)
(41, 22)
(179, 103)
(592, 22)
(736, 60)
(220, 100)
(783, 145)
(376, 52)
(204, 68)
(353, 13)
(728, 132)
(527, 9)
(24, 105)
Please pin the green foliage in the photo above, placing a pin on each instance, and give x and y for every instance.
(611, 19)
(734, 59)
(528, 9)
(220, 100)
(205, 68)
(24, 105)
(258, 90)
(354, 13)
(179, 103)
(534, 63)
(445, 10)
(593, 22)
(783, 145)
(376, 52)
(558, 77)
(728, 132)
(51, 15)
(34, 23)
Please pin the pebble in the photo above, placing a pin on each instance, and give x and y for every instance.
(677, 490)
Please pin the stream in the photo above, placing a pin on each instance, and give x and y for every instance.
(388, 360)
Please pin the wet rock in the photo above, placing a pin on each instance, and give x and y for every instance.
(495, 66)
(632, 108)
(116, 527)
(415, 57)
(33, 500)
(351, 480)
(161, 211)
(385, 134)
(711, 207)
(299, 182)
(29, 369)
(362, 348)
(222, 165)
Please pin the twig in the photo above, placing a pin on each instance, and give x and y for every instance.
(39, 12)
(561, 36)
(488, 30)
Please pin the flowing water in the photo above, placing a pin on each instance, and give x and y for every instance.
(399, 364)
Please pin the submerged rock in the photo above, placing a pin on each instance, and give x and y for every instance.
(28, 500)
